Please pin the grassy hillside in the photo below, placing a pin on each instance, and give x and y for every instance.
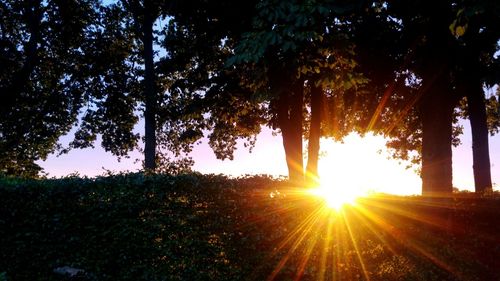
(209, 227)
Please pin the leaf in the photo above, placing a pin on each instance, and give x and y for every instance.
(457, 30)
(460, 30)
(452, 27)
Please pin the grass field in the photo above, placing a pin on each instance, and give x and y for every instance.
(210, 227)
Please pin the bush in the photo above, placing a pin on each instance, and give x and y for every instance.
(211, 227)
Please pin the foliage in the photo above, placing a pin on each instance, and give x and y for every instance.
(472, 55)
(493, 112)
(40, 80)
(210, 227)
(306, 41)
(205, 98)
(113, 92)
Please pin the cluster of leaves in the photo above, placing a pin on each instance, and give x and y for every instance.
(210, 227)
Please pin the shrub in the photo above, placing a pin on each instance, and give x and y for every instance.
(211, 227)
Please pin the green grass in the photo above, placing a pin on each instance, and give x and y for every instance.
(209, 227)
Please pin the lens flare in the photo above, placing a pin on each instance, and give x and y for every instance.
(335, 197)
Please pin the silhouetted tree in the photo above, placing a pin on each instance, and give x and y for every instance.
(123, 71)
(145, 13)
(41, 85)
(477, 30)
(444, 69)
(426, 24)
(294, 44)
(317, 116)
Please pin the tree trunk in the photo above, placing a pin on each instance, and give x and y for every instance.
(290, 122)
(437, 114)
(479, 126)
(473, 90)
(314, 136)
(437, 104)
(149, 90)
(296, 127)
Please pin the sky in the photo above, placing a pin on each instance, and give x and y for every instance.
(360, 163)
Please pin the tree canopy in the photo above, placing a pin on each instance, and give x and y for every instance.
(41, 82)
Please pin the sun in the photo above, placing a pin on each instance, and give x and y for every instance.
(359, 167)
(362, 165)
(337, 197)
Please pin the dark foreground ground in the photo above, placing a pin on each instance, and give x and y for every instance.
(194, 227)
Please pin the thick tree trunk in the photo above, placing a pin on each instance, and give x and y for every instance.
(437, 104)
(149, 91)
(437, 114)
(314, 136)
(479, 126)
(472, 89)
(290, 105)
(296, 127)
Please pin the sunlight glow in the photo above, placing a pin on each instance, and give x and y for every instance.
(335, 197)
(344, 212)
(361, 165)
(329, 240)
